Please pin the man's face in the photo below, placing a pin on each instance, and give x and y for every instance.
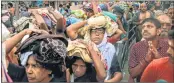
(165, 24)
(143, 7)
(149, 31)
(35, 72)
(97, 35)
(170, 13)
(79, 68)
(9, 6)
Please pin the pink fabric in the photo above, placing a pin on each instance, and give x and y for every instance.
(8, 78)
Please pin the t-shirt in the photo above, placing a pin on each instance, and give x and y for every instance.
(18, 74)
(159, 69)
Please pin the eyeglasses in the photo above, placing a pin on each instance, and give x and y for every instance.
(97, 31)
(166, 24)
(81, 66)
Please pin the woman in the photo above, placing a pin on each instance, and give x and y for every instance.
(41, 56)
(99, 27)
(81, 56)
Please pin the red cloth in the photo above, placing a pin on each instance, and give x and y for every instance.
(159, 69)
(113, 40)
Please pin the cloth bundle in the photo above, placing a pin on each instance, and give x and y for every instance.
(77, 47)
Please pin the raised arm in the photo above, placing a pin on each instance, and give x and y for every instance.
(40, 20)
(94, 5)
(59, 17)
(99, 66)
(72, 30)
(13, 41)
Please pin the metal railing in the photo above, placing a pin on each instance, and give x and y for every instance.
(123, 47)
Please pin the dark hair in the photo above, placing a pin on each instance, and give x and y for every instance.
(171, 34)
(26, 8)
(88, 10)
(10, 4)
(71, 60)
(60, 5)
(68, 6)
(97, 28)
(55, 68)
(152, 20)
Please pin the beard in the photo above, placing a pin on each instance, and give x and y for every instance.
(164, 34)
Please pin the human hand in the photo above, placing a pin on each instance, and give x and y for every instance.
(154, 50)
(89, 45)
(34, 12)
(29, 31)
(149, 57)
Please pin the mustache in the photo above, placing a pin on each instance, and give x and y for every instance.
(146, 32)
(164, 31)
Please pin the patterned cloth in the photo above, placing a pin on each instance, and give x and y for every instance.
(139, 50)
(47, 48)
(78, 14)
(21, 23)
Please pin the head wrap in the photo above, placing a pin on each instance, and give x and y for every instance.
(99, 21)
(103, 7)
(48, 49)
(118, 9)
(76, 47)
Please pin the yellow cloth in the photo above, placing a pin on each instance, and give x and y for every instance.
(77, 47)
(98, 21)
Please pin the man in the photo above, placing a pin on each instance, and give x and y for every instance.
(135, 8)
(11, 9)
(139, 58)
(142, 14)
(158, 5)
(170, 13)
(7, 20)
(139, 17)
(154, 73)
(166, 24)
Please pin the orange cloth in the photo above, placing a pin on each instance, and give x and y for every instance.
(159, 69)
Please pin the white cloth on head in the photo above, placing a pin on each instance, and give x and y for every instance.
(24, 57)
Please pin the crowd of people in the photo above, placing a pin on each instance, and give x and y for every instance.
(78, 45)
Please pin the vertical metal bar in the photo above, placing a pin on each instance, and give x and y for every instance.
(17, 9)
